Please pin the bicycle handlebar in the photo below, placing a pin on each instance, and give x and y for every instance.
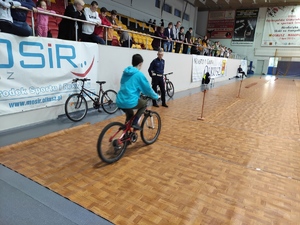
(165, 74)
(145, 96)
(83, 80)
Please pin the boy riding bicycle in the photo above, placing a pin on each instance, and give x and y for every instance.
(133, 83)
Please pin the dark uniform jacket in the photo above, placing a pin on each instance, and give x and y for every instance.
(67, 27)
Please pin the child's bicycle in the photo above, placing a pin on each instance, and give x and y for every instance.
(169, 87)
(76, 105)
(116, 136)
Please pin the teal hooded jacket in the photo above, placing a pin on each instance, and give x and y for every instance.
(133, 83)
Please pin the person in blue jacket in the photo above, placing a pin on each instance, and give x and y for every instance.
(20, 15)
(133, 83)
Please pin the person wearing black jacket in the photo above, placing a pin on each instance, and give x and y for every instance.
(66, 28)
(168, 33)
(179, 40)
(156, 71)
(187, 40)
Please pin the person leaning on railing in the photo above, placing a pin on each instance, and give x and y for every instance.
(187, 40)
(157, 43)
(19, 15)
(180, 40)
(104, 21)
(66, 28)
(42, 19)
(91, 15)
(110, 31)
(125, 39)
(6, 20)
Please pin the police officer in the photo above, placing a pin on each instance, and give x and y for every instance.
(156, 71)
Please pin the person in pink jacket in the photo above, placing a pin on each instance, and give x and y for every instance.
(42, 19)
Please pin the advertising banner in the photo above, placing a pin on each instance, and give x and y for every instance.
(244, 28)
(282, 26)
(37, 73)
(202, 64)
(220, 24)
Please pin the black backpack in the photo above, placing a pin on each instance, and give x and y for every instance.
(206, 78)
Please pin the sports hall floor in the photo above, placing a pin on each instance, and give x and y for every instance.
(238, 166)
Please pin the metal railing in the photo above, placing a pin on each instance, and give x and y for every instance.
(108, 27)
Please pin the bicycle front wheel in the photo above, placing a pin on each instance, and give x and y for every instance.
(170, 89)
(108, 101)
(76, 107)
(151, 126)
(111, 145)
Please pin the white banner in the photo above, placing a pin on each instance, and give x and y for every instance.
(202, 64)
(282, 26)
(38, 72)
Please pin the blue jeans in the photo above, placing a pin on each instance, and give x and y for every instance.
(24, 26)
(167, 46)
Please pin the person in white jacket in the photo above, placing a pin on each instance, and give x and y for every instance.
(92, 16)
(6, 20)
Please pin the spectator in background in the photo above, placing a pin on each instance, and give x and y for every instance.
(42, 19)
(168, 33)
(195, 47)
(149, 22)
(176, 29)
(125, 39)
(180, 40)
(157, 43)
(187, 40)
(91, 15)
(154, 24)
(206, 46)
(104, 21)
(162, 23)
(240, 70)
(66, 28)
(6, 21)
(19, 15)
(110, 31)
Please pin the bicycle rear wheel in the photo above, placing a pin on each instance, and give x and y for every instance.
(111, 146)
(108, 101)
(151, 126)
(76, 107)
(170, 89)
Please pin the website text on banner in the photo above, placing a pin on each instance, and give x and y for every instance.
(282, 26)
(38, 73)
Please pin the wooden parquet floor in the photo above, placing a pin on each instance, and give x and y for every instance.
(239, 166)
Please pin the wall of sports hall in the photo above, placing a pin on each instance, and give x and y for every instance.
(36, 73)
(259, 54)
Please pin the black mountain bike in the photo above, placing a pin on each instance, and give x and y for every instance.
(116, 136)
(76, 105)
(169, 87)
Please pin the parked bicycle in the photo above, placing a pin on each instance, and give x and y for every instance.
(76, 106)
(116, 136)
(169, 87)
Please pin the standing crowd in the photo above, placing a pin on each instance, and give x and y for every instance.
(99, 28)
(173, 37)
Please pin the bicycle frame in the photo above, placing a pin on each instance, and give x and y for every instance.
(87, 92)
(166, 79)
(129, 129)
